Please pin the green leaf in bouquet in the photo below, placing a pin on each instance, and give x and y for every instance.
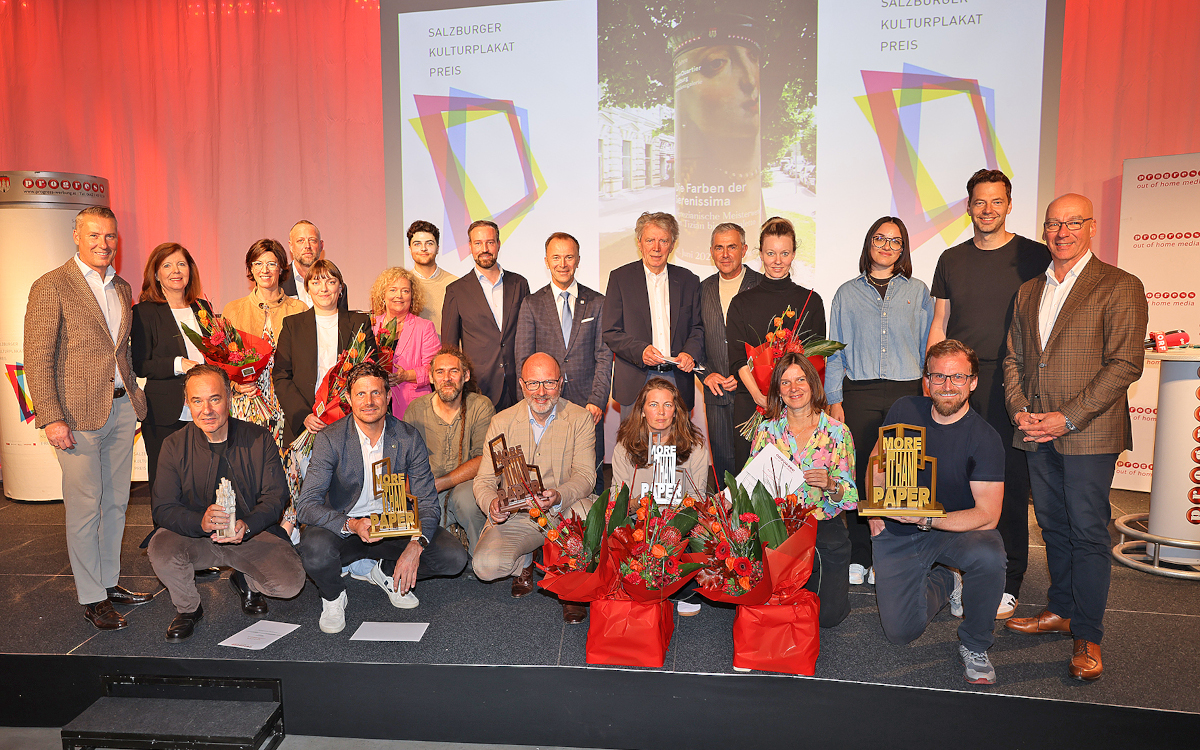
(685, 568)
(195, 338)
(593, 532)
(684, 520)
(772, 532)
(620, 514)
(730, 482)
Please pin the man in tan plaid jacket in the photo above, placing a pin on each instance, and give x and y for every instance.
(80, 373)
(1074, 347)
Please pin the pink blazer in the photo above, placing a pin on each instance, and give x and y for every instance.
(415, 348)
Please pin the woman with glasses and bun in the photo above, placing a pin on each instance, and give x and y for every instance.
(883, 316)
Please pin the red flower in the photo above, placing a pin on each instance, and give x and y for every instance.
(742, 567)
(723, 550)
(741, 535)
(638, 549)
(671, 535)
(671, 566)
(748, 517)
(633, 578)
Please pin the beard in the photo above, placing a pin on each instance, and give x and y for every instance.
(948, 406)
(485, 261)
(449, 392)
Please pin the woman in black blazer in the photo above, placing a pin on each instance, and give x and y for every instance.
(171, 296)
(309, 343)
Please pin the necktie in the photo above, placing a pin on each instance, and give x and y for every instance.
(566, 318)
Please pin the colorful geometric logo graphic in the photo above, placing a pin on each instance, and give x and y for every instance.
(892, 105)
(442, 127)
(16, 376)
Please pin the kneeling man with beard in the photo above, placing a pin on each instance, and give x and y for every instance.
(921, 564)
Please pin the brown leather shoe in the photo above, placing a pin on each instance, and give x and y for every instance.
(573, 614)
(522, 584)
(103, 616)
(122, 595)
(1085, 665)
(1045, 622)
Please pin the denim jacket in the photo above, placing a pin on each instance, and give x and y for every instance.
(885, 338)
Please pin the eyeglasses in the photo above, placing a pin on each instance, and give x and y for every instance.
(958, 378)
(1074, 224)
(270, 265)
(896, 243)
(549, 385)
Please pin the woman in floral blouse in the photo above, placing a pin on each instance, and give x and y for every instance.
(798, 424)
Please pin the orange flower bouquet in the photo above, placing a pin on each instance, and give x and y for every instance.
(238, 353)
(782, 338)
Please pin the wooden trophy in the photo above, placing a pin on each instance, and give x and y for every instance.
(901, 457)
(399, 516)
(227, 499)
(520, 482)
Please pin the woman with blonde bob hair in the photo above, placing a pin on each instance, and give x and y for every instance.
(396, 296)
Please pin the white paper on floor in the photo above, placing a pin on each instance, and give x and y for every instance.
(259, 635)
(390, 631)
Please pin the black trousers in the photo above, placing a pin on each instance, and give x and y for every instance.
(988, 400)
(830, 579)
(155, 435)
(866, 404)
(325, 554)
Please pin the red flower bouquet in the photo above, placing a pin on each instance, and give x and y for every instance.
(241, 355)
(386, 336)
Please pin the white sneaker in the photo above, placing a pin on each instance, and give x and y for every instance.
(333, 614)
(871, 575)
(400, 601)
(858, 574)
(1008, 606)
(956, 607)
(687, 609)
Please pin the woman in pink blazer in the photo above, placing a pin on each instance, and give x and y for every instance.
(395, 297)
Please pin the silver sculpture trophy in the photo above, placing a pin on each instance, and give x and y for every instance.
(227, 499)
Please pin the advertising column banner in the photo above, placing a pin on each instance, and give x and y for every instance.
(915, 97)
(1159, 239)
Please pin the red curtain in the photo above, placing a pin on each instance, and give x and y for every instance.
(1130, 70)
(217, 122)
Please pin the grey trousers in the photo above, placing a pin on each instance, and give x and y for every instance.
(271, 564)
(460, 507)
(910, 591)
(95, 485)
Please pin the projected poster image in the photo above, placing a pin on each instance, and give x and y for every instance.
(709, 115)
(497, 122)
(917, 98)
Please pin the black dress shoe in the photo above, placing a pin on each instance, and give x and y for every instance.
(204, 573)
(253, 603)
(103, 616)
(184, 624)
(122, 595)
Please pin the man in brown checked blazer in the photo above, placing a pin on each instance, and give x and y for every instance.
(80, 373)
(1074, 347)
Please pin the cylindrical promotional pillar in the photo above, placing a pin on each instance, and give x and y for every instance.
(1175, 486)
(36, 214)
(718, 135)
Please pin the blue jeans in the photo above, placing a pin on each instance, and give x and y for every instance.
(1070, 500)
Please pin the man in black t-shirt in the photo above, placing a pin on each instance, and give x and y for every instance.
(914, 557)
(973, 288)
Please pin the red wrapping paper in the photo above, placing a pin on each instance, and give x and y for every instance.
(785, 571)
(629, 633)
(779, 638)
(242, 374)
(764, 364)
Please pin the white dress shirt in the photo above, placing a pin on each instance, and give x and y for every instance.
(110, 304)
(185, 316)
(327, 346)
(1056, 294)
(657, 289)
(367, 502)
(301, 287)
(494, 294)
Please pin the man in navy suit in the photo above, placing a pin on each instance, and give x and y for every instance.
(563, 320)
(338, 498)
(652, 319)
(480, 314)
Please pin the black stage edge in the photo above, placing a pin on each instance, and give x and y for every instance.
(612, 708)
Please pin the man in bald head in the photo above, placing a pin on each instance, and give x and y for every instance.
(559, 438)
(1074, 347)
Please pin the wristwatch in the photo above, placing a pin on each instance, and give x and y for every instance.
(925, 524)
(421, 540)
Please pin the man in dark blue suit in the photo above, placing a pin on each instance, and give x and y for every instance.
(563, 320)
(338, 498)
(479, 315)
(652, 319)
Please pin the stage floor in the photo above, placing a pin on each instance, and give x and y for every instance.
(1152, 625)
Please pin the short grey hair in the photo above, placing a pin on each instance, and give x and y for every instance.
(728, 226)
(662, 220)
(98, 212)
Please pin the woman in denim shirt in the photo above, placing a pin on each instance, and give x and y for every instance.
(883, 317)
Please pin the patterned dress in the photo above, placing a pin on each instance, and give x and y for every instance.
(830, 448)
